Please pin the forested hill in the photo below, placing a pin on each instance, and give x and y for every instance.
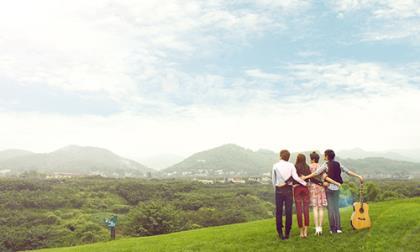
(384, 168)
(73, 160)
(396, 227)
(228, 158)
(234, 160)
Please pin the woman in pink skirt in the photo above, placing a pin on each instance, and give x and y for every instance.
(317, 195)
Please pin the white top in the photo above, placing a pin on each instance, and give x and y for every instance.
(282, 171)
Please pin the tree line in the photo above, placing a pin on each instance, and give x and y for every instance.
(39, 213)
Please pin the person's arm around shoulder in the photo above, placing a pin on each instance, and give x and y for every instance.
(273, 175)
(330, 180)
(295, 175)
(318, 171)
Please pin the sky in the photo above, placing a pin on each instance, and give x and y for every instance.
(142, 78)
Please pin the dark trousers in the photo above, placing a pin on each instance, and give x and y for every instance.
(333, 198)
(112, 233)
(302, 204)
(284, 197)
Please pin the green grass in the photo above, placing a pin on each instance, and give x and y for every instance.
(396, 227)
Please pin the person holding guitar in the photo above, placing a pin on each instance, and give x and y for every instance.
(333, 170)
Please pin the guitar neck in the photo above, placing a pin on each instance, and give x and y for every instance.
(361, 194)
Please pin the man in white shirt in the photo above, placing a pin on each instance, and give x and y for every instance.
(283, 174)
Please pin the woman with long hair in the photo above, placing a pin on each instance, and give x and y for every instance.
(301, 195)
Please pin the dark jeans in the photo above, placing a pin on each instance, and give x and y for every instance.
(302, 204)
(284, 197)
(333, 198)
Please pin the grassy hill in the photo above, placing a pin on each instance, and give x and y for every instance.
(396, 227)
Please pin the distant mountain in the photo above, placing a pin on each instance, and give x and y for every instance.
(228, 159)
(224, 161)
(358, 153)
(233, 160)
(383, 168)
(410, 154)
(76, 160)
(13, 153)
(162, 161)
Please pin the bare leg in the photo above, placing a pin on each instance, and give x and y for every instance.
(316, 209)
(321, 216)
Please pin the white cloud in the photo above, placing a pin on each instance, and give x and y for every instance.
(307, 54)
(350, 78)
(398, 9)
(351, 5)
(389, 20)
(372, 123)
(289, 5)
(396, 29)
(374, 107)
(259, 74)
(131, 51)
(124, 48)
(339, 79)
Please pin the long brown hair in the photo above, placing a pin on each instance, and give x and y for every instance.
(302, 167)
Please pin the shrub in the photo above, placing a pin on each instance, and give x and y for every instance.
(121, 209)
(154, 218)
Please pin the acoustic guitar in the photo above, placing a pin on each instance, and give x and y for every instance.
(360, 218)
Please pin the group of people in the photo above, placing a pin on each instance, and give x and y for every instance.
(308, 185)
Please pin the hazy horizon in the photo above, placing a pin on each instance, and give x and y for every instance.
(144, 78)
(167, 157)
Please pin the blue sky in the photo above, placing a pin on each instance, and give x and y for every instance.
(144, 78)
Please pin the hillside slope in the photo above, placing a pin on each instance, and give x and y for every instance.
(233, 160)
(13, 153)
(358, 153)
(383, 168)
(229, 159)
(396, 227)
(77, 160)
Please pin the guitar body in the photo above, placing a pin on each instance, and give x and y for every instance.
(360, 218)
